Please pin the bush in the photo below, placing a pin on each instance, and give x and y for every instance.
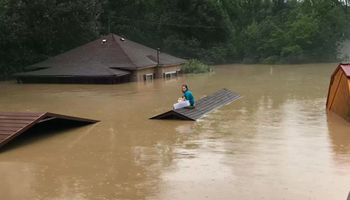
(271, 60)
(195, 66)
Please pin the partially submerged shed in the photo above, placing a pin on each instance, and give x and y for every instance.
(109, 59)
(338, 100)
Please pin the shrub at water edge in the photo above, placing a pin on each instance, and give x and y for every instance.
(195, 66)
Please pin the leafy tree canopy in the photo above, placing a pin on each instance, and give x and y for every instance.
(213, 31)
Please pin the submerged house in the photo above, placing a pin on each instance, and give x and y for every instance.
(109, 59)
(338, 100)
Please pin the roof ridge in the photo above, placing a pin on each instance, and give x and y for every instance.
(142, 46)
(345, 67)
(113, 37)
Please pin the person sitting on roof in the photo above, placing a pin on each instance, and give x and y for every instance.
(187, 100)
(187, 94)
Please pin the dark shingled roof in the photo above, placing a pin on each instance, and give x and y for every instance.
(203, 106)
(75, 70)
(107, 56)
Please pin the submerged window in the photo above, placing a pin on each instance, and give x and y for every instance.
(148, 77)
(170, 75)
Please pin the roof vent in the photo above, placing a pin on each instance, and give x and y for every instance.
(104, 41)
(122, 39)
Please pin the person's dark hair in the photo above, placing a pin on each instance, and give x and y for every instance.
(184, 85)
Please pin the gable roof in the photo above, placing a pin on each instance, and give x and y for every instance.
(346, 69)
(13, 124)
(203, 106)
(342, 66)
(109, 55)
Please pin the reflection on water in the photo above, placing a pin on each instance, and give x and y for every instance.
(339, 131)
(275, 143)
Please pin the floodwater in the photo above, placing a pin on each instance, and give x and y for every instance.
(275, 143)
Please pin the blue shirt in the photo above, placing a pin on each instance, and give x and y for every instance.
(188, 96)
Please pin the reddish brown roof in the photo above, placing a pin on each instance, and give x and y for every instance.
(346, 69)
(107, 56)
(13, 124)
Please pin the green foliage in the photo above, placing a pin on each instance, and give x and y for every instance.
(31, 31)
(225, 31)
(195, 66)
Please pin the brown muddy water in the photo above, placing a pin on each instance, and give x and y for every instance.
(275, 143)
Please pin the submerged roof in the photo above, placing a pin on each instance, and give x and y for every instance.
(74, 70)
(109, 55)
(203, 106)
(13, 124)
